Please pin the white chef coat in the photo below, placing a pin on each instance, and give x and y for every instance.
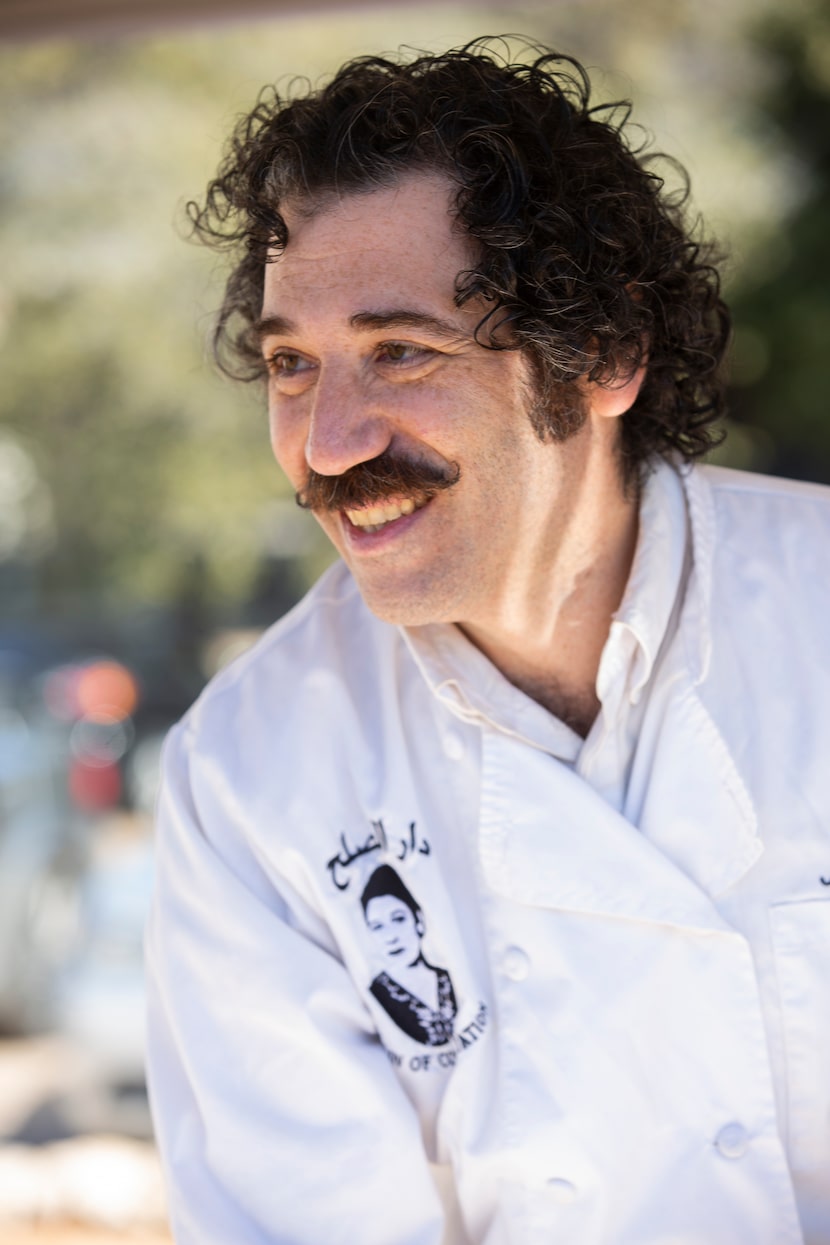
(628, 1040)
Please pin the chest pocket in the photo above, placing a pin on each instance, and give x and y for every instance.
(801, 939)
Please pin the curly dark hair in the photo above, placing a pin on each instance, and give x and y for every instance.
(385, 881)
(584, 260)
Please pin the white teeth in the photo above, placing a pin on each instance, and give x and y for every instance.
(373, 518)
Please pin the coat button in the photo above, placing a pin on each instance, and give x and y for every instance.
(732, 1141)
(516, 964)
(562, 1191)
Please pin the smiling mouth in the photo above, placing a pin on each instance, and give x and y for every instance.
(374, 518)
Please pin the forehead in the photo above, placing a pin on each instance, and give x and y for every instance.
(388, 903)
(378, 244)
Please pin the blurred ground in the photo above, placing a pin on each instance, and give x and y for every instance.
(78, 1234)
(67, 1189)
(78, 774)
(77, 1163)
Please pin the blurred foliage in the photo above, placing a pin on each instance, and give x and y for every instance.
(781, 398)
(147, 459)
(129, 471)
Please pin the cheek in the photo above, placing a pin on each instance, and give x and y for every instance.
(287, 436)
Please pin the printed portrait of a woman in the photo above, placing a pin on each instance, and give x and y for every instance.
(416, 994)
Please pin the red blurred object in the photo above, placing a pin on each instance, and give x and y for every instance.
(100, 691)
(94, 787)
(106, 691)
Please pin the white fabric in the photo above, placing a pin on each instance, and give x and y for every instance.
(639, 990)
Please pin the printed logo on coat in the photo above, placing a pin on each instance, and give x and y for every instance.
(416, 994)
(409, 982)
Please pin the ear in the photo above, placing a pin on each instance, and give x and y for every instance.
(617, 397)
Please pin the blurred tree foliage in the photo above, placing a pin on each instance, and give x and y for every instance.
(147, 460)
(781, 398)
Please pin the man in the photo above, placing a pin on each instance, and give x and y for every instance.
(565, 688)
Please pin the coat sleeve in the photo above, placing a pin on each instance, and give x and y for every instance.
(278, 1116)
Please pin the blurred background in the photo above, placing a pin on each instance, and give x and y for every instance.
(146, 536)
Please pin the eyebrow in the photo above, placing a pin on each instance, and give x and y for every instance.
(371, 321)
(273, 326)
(402, 318)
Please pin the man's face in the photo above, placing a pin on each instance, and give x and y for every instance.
(367, 355)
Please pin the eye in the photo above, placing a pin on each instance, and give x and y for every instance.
(288, 362)
(288, 366)
(403, 353)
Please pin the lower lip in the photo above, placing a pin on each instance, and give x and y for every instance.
(361, 541)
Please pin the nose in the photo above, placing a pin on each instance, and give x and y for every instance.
(345, 424)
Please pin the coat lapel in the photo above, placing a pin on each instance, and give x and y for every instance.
(547, 839)
(689, 799)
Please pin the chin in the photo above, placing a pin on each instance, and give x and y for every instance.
(405, 611)
(401, 615)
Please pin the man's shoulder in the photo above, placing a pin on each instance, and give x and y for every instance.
(762, 544)
(729, 484)
(756, 628)
(784, 521)
(323, 642)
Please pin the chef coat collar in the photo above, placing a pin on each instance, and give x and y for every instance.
(474, 689)
(642, 622)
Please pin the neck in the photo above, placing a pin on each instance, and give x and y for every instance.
(547, 638)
